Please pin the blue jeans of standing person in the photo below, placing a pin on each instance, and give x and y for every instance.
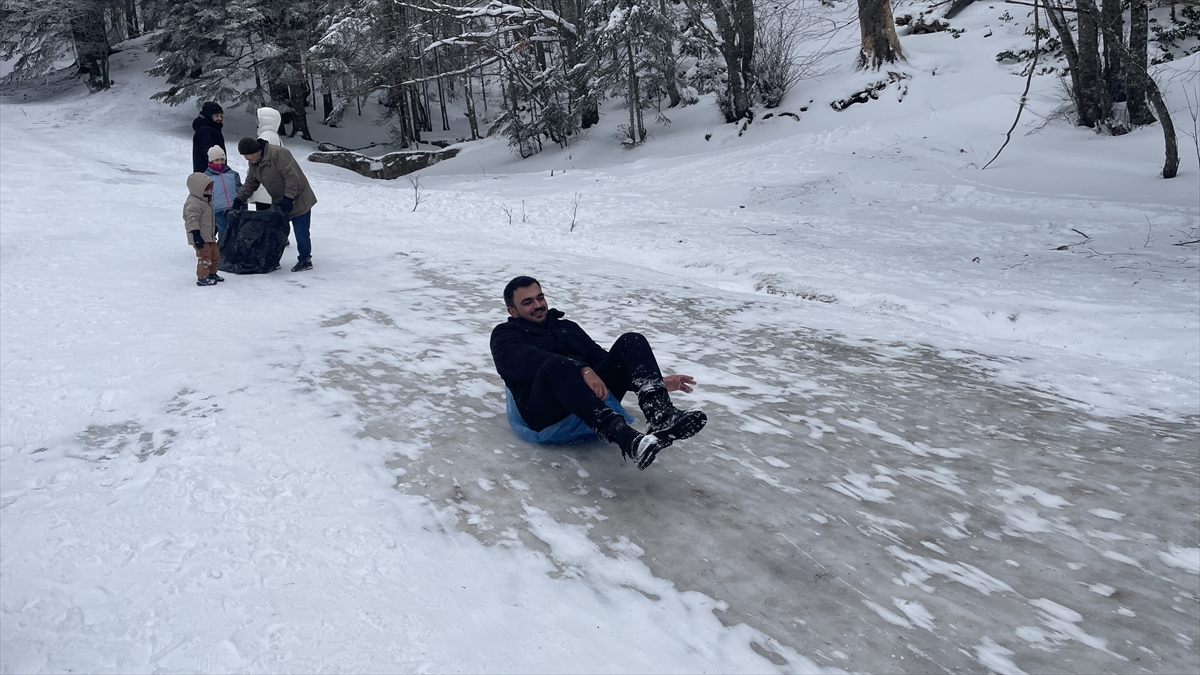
(303, 243)
(222, 223)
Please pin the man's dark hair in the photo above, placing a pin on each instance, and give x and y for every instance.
(512, 286)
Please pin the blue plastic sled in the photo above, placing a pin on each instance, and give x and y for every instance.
(570, 430)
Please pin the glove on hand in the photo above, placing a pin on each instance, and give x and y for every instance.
(197, 241)
(286, 204)
(238, 205)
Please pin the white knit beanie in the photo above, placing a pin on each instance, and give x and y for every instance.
(215, 153)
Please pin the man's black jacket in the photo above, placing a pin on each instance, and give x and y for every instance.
(521, 347)
(208, 133)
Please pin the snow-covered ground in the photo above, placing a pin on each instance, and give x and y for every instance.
(939, 441)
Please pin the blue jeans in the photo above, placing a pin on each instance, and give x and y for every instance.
(303, 242)
(222, 223)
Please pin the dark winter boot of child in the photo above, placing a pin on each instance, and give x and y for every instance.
(207, 281)
(215, 277)
(641, 448)
(664, 420)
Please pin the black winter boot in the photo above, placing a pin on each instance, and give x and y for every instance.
(216, 277)
(665, 420)
(641, 448)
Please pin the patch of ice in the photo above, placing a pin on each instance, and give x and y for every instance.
(888, 616)
(1025, 519)
(816, 427)
(759, 474)
(858, 486)
(934, 547)
(1120, 557)
(922, 568)
(1062, 621)
(869, 426)
(762, 425)
(1181, 557)
(996, 658)
(939, 476)
(1018, 493)
(915, 612)
(1105, 513)
(1108, 536)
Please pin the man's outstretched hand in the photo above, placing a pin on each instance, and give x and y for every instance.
(679, 383)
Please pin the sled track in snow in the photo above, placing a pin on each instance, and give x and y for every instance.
(877, 507)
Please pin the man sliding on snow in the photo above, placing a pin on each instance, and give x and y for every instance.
(554, 370)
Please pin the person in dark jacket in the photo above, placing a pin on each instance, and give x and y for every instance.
(207, 128)
(554, 369)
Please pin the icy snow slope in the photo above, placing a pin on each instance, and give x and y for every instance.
(312, 472)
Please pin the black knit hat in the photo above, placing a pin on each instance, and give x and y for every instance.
(211, 108)
(248, 146)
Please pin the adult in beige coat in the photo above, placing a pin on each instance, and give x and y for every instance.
(275, 169)
(201, 229)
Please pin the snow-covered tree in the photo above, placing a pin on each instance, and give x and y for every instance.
(37, 35)
(729, 26)
(634, 44)
(244, 53)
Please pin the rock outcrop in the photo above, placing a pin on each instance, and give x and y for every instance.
(388, 167)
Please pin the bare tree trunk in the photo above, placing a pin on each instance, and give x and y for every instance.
(735, 29)
(483, 91)
(131, 20)
(298, 101)
(880, 44)
(1058, 19)
(1139, 41)
(441, 92)
(470, 96)
(1171, 141)
(91, 45)
(1094, 108)
(420, 121)
(631, 92)
(1114, 63)
(326, 101)
(1147, 83)
(670, 67)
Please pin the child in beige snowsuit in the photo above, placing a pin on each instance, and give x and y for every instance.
(201, 229)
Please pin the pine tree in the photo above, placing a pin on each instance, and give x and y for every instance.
(246, 53)
(207, 51)
(36, 35)
(635, 58)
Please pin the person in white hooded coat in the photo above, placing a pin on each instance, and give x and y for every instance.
(268, 120)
